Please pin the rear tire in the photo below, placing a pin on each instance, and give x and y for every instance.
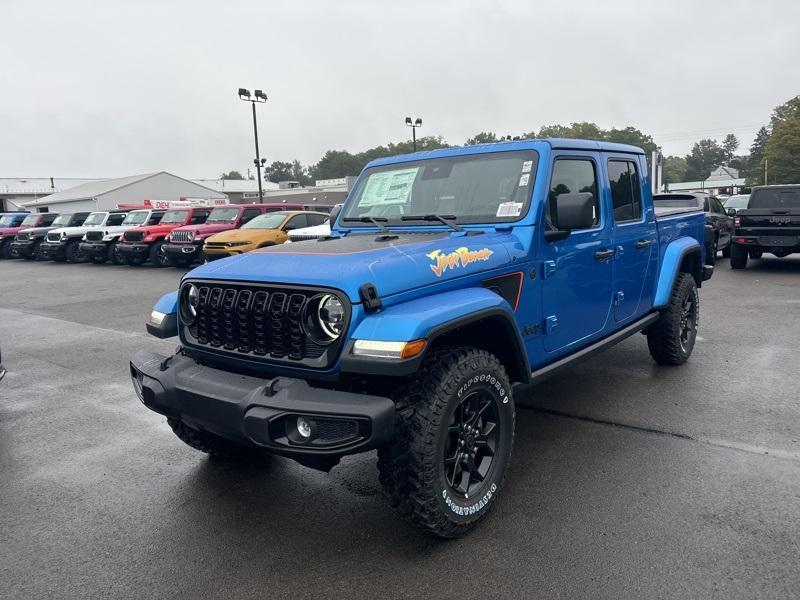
(738, 256)
(671, 339)
(711, 251)
(209, 443)
(454, 431)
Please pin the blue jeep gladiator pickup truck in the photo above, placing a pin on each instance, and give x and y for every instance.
(448, 277)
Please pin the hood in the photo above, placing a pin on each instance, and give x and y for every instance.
(73, 231)
(410, 261)
(242, 235)
(34, 231)
(151, 229)
(316, 230)
(9, 230)
(205, 229)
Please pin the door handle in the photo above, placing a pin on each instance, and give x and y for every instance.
(603, 254)
(642, 244)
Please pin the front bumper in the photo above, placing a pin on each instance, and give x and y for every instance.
(133, 248)
(94, 248)
(23, 248)
(52, 249)
(263, 412)
(186, 249)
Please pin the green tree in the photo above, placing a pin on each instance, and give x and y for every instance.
(300, 173)
(583, 130)
(278, 171)
(706, 155)
(729, 145)
(782, 152)
(231, 175)
(336, 163)
(484, 137)
(787, 110)
(674, 170)
(755, 171)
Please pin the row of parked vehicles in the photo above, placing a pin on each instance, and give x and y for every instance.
(176, 236)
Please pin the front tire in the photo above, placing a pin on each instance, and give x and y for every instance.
(115, 257)
(211, 444)
(158, 258)
(738, 256)
(671, 339)
(454, 432)
(73, 253)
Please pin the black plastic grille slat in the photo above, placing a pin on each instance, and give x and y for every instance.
(133, 236)
(94, 236)
(255, 321)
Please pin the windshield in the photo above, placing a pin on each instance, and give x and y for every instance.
(478, 188)
(62, 220)
(8, 220)
(95, 219)
(788, 197)
(172, 217)
(223, 215)
(737, 202)
(267, 221)
(136, 218)
(30, 220)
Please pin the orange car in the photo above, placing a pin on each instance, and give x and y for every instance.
(264, 230)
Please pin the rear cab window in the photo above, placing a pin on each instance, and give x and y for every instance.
(626, 190)
(788, 197)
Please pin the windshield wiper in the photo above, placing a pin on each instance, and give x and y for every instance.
(374, 220)
(444, 219)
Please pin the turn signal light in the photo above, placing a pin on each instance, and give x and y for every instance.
(381, 349)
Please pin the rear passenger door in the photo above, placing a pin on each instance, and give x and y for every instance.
(634, 237)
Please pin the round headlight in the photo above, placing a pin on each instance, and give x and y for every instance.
(189, 299)
(330, 313)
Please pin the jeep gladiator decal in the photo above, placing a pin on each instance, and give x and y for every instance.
(458, 258)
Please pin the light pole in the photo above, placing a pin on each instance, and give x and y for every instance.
(414, 124)
(258, 96)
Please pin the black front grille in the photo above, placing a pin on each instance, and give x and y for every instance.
(94, 236)
(133, 236)
(53, 237)
(260, 321)
(22, 237)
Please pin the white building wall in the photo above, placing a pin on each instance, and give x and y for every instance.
(67, 207)
(159, 187)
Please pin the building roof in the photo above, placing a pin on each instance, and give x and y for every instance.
(723, 172)
(39, 185)
(93, 189)
(235, 186)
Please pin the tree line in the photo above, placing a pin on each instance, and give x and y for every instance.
(776, 146)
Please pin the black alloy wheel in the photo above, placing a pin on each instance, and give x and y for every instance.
(688, 322)
(472, 440)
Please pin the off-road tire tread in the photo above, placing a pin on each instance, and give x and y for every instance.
(739, 256)
(209, 443)
(663, 336)
(419, 406)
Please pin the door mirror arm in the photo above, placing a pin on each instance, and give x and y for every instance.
(555, 235)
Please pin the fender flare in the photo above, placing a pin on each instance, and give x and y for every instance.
(430, 318)
(167, 326)
(676, 251)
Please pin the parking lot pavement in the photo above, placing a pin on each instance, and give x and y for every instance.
(627, 480)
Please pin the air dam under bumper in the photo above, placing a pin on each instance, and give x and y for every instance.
(264, 412)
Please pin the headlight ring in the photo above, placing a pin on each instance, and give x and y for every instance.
(189, 298)
(324, 318)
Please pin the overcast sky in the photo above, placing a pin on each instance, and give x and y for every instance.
(102, 89)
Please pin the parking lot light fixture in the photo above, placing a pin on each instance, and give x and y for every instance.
(414, 124)
(258, 97)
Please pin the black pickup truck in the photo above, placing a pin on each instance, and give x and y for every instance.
(770, 223)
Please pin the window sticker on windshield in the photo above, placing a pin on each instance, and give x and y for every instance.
(391, 187)
(509, 209)
(523, 180)
(527, 166)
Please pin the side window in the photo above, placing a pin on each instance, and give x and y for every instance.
(626, 193)
(572, 176)
(249, 213)
(198, 217)
(115, 219)
(316, 220)
(717, 206)
(155, 218)
(47, 220)
(296, 222)
(706, 207)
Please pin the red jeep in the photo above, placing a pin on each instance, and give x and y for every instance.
(147, 242)
(186, 243)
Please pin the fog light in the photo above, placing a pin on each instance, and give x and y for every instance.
(303, 428)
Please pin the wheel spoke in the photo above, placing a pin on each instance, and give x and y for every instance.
(463, 485)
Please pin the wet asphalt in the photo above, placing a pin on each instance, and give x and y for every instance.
(628, 480)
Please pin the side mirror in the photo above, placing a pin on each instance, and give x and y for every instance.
(731, 212)
(571, 211)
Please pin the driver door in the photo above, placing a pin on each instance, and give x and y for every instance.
(577, 271)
